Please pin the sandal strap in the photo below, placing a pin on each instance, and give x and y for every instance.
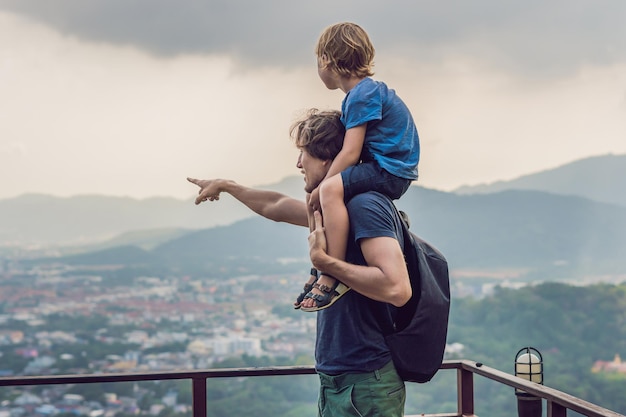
(319, 298)
(329, 296)
(323, 288)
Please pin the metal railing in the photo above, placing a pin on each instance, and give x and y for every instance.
(557, 402)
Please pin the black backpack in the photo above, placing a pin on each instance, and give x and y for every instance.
(417, 338)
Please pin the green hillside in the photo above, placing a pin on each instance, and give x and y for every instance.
(571, 326)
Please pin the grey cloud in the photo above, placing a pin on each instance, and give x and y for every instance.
(533, 37)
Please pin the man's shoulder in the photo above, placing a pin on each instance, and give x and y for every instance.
(373, 214)
(371, 201)
(370, 197)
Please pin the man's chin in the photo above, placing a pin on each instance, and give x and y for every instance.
(309, 186)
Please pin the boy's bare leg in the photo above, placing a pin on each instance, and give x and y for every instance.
(336, 226)
(313, 275)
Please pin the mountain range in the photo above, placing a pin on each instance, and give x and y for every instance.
(599, 178)
(88, 219)
(561, 228)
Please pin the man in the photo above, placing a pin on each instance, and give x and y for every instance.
(353, 362)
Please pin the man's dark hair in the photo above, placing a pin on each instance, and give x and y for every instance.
(319, 133)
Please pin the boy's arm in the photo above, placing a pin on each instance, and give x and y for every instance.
(349, 155)
(269, 204)
(385, 277)
(350, 152)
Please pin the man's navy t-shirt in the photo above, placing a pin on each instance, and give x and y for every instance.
(349, 337)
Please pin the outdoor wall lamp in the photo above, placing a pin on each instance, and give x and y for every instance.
(529, 366)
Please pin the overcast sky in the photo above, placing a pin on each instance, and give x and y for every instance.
(128, 98)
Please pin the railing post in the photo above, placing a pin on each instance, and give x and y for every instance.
(465, 392)
(199, 396)
(556, 410)
(529, 405)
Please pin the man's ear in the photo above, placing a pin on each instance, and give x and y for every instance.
(323, 61)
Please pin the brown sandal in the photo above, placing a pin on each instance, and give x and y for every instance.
(330, 296)
(306, 289)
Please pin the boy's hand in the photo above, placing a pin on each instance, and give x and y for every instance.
(314, 199)
(209, 190)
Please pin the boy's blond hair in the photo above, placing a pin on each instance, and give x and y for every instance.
(346, 49)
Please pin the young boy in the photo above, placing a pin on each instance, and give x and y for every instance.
(380, 151)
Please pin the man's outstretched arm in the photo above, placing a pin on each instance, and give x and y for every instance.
(384, 278)
(269, 204)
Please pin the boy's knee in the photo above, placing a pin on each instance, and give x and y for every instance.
(332, 188)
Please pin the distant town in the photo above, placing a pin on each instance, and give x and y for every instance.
(214, 318)
(146, 324)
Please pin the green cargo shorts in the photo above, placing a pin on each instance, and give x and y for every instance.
(380, 393)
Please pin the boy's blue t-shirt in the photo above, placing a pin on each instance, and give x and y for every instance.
(391, 138)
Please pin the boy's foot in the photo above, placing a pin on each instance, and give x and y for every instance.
(325, 292)
(308, 286)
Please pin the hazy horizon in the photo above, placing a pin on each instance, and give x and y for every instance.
(193, 193)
